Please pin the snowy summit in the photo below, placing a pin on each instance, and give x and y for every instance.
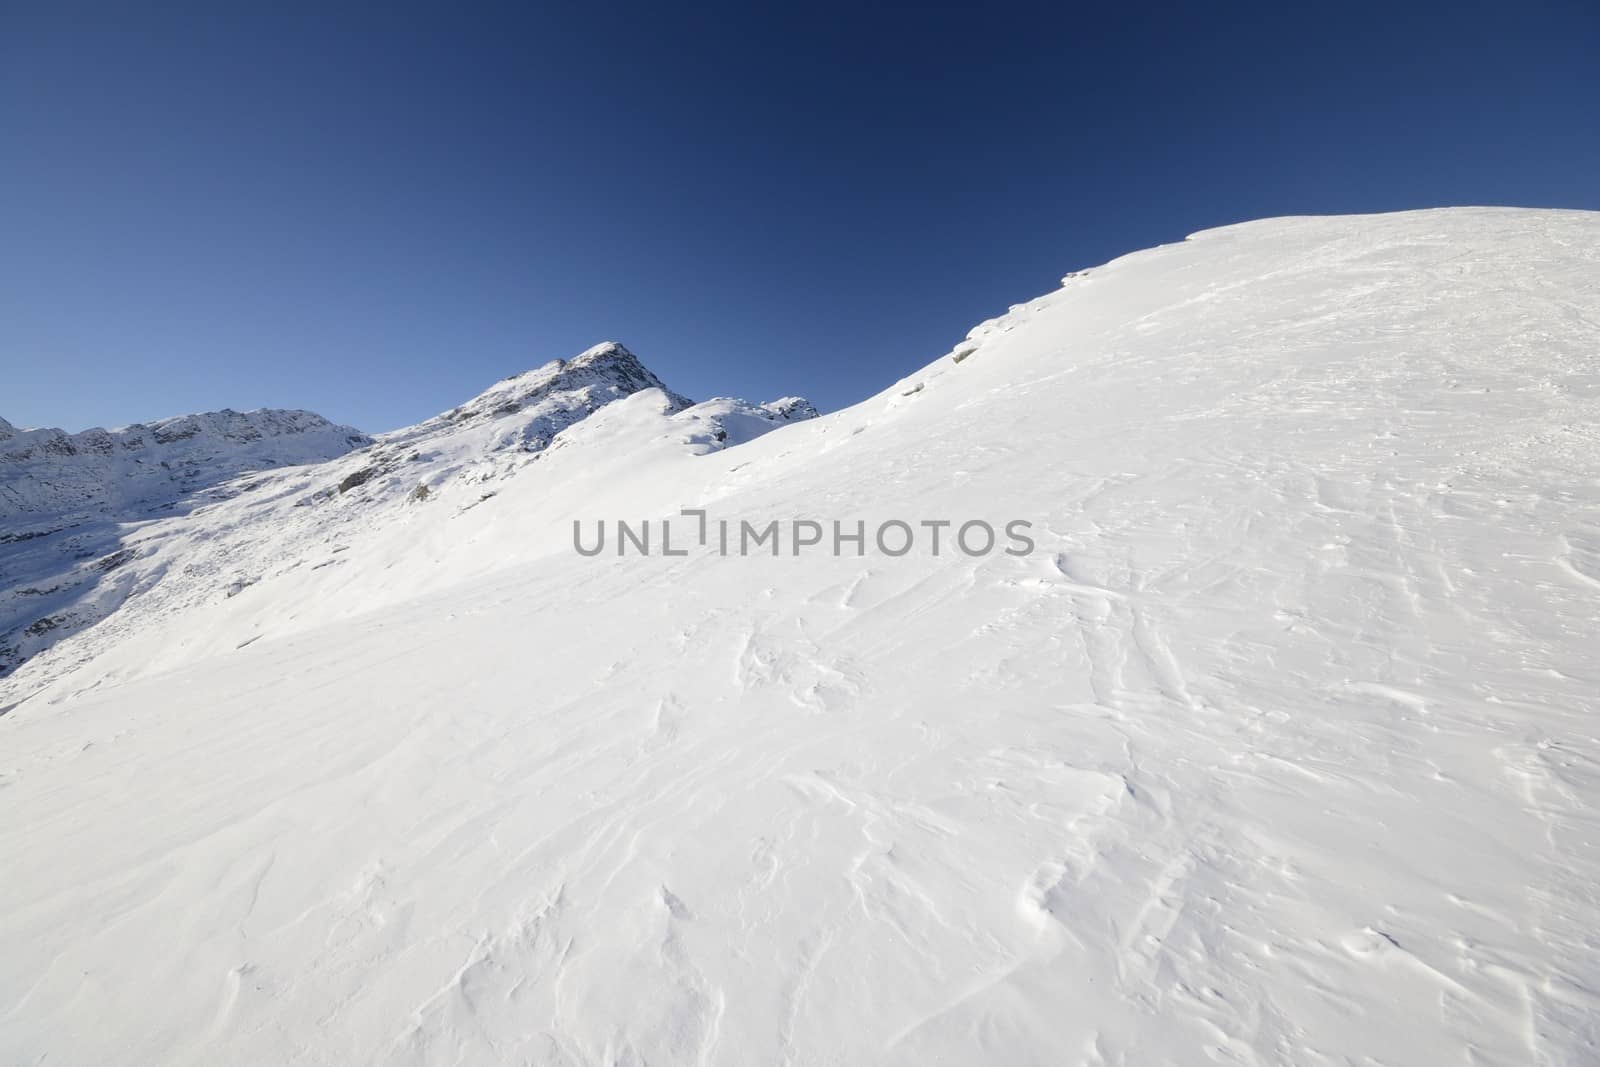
(79, 507)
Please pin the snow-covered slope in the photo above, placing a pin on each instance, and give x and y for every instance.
(1279, 748)
(97, 578)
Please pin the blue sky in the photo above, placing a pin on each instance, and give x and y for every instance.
(374, 214)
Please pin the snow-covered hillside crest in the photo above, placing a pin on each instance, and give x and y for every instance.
(1279, 749)
(311, 484)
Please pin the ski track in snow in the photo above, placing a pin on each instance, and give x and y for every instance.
(1279, 749)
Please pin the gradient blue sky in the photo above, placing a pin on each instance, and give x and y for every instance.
(377, 213)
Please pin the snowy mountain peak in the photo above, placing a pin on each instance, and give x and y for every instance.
(82, 502)
(790, 409)
(588, 380)
(607, 352)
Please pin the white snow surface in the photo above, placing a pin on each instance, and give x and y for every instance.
(1280, 748)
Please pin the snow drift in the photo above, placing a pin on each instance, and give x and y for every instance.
(1280, 747)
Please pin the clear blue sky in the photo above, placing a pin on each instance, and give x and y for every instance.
(377, 213)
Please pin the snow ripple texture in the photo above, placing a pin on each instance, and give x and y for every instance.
(1280, 749)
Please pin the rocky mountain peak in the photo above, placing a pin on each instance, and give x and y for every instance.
(567, 389)
(612, 359)
(85, 518)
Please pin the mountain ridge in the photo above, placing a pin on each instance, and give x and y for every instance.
(153, 464)
(89, 550)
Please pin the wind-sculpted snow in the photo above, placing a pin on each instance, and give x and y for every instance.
(1279, 749)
